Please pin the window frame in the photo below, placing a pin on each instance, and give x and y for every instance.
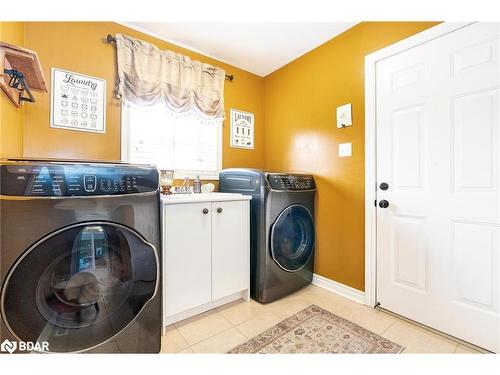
(178, 173)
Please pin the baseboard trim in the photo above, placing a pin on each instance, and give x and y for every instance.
(171, 319)
(338, 288)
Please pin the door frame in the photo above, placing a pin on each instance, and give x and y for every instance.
(371, 143)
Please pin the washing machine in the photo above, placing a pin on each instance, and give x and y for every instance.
(282, 229)
(80, 257)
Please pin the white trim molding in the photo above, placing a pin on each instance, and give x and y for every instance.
(243, 295)
(338, 288)
(371, 145)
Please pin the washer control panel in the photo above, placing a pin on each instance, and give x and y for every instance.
(291, 182)
(89, 183)
(73, 179)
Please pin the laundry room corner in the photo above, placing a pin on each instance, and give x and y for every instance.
(325, 78)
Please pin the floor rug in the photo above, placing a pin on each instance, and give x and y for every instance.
(315, 330)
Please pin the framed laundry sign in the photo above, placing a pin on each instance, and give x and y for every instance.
(78, 102)
(242, 129)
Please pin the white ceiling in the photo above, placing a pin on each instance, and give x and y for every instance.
(260, 48)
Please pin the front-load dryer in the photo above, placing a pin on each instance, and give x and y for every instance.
(80, 257)
(282, 229)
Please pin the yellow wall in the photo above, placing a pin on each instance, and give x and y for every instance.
(80, 47)
(301, 135)
(11, 117)
(298, 131)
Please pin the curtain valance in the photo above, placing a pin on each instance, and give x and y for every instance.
(149, 76)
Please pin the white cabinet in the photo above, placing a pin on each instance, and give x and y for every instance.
(187, 256)
(230, 258)
(206, 253)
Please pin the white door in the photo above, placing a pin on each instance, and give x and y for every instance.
(230, 248)
(438, 151)
(186, 256)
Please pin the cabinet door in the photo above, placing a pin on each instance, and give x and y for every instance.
(187, 256)
(230, 248)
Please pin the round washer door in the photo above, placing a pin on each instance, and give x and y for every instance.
(80, 286)
(292, 238)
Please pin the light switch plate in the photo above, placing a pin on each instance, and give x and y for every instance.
(344, 115)
(345, 149)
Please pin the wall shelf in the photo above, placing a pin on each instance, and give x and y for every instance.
(26, 62)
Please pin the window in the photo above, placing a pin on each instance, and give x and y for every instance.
(185, 142)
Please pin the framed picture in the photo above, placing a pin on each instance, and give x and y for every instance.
(78, 102)
(242, 129)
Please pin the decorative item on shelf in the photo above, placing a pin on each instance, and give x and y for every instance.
(183, 189)
(197, 185)
(207, 188)
(166, 180)
(20, 72)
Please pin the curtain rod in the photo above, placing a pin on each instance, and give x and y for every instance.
(111, 39)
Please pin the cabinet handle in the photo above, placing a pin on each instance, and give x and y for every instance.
(219, 210)
(205, 211)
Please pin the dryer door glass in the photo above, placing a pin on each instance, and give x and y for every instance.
(292, 238)
(79, 287)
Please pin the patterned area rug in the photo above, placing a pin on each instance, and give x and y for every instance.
(315, 330)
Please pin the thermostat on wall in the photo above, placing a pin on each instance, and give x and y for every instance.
(344, 115)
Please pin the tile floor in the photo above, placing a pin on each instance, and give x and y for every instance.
(221, 329)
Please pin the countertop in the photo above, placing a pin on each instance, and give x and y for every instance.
(203, 197)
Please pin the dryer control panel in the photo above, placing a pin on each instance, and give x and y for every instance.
(291, 182)
(52, 179)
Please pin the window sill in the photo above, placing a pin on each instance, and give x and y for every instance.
(192, 176)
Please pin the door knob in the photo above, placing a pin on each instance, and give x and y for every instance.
(384, 186)
(219, 210)
(205, 211)
(383, 203)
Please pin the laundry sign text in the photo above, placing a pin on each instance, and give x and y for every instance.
(75, 82)
(242, 129)
(78, 102)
